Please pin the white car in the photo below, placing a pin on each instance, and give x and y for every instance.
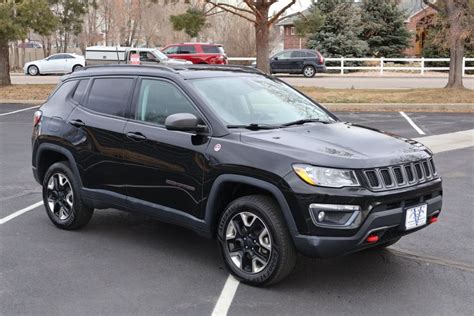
(55, 64)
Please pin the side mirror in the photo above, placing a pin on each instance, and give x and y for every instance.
(184, 122)
(275, 58)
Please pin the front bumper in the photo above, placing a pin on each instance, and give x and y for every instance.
(382, 214)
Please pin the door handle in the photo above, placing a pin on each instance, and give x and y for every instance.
(137, 136)
(77, 123)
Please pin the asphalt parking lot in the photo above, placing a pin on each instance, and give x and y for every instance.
(127, 264)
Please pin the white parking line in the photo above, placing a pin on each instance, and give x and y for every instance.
(419, 130)
(17, 111)
(226, 297)
(18, 213)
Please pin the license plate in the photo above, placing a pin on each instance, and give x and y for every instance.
(416, 216)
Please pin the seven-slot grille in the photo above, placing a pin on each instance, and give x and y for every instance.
(401, 175)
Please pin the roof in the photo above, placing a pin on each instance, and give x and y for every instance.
(291, 18)
(184, 71)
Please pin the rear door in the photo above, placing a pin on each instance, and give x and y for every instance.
(298, 59)
(164, 168)
(97, 124)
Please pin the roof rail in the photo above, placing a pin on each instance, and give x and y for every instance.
(222, 67)
(160, 67)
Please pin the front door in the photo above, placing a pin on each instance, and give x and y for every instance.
(164, 169)
(281, 62)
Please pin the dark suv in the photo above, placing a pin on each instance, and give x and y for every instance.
(234, 155)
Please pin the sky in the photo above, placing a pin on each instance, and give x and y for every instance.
(298, 6)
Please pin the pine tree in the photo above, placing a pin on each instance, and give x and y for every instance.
(383, 28)
(340, 33)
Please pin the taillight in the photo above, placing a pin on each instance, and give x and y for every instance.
(37, 117)
(320, 57)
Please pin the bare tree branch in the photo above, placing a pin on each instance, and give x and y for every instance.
(432, 5)
(252, 7)
(277, 15)
(233, 9)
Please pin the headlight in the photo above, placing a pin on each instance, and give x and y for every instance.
(326, 177)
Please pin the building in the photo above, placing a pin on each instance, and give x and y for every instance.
(290, 39)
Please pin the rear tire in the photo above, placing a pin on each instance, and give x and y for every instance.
(62, 198)
(309, 71)
(76, 67)
(33, 70)
(254, 241)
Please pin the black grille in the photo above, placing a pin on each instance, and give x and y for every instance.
(419, 173)
(427, 168)
(387, 179)
(409, 172)
(372, 177)
(432, 166)
(400, 176)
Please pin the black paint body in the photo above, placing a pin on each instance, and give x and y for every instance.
(188, 179)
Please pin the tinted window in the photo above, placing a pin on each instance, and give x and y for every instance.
(298, 54)
(159, 99)
(171, 50)
(81, 88)
(110, 95)
(211, 49)
(186, 49)
(60, 95)
(310, 55)
(284, 55)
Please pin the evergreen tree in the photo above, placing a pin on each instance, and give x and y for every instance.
(383, 28)
(341, 30)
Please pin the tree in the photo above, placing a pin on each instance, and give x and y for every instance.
(384, 28)
(69, 14)
(309, 23)
(339, 35)
(17, 17)
(191, 22)
(258, 13)
(457, 18)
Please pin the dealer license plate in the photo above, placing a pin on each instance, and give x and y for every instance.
(416, 216)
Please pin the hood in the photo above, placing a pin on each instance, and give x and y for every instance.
(340, 145)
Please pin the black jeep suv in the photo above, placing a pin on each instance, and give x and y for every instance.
(234, 155)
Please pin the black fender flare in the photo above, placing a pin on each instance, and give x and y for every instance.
(52, 147)
(211, 212)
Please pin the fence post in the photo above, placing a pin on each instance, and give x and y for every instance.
(342, 65)
(463, 66)
(381, 65)
(422, 65)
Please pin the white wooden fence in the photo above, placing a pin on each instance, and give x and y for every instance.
(382, 64)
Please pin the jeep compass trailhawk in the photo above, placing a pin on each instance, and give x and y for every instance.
(232, 154)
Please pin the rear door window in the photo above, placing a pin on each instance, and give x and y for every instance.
(81, 88)
(298, 54)
(110, 95)
(186, 49)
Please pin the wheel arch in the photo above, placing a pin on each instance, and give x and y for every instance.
(48, 154)
(220, 196)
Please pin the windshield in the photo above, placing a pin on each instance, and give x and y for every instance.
(159, 55)
(257, 100)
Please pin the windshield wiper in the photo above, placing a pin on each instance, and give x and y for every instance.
(253, 126)
(303, 121)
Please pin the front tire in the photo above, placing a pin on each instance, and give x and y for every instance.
(254, 241)
(62, 198)
(309, 71)
(33, 70)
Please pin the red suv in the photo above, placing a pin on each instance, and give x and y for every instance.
(197, 53)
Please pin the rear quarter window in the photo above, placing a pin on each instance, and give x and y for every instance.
(110, 95)
(62, 92)
(209, 49)
(80, 89)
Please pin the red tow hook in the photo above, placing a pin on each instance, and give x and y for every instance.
(372, 238)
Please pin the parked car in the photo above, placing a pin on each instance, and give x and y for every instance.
(54, 64)
(30, 44)
(231, 154)
(197, 53)
(297, 61)
(99, 55)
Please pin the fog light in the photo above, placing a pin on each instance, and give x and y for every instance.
(321, 216)
(372, 238)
